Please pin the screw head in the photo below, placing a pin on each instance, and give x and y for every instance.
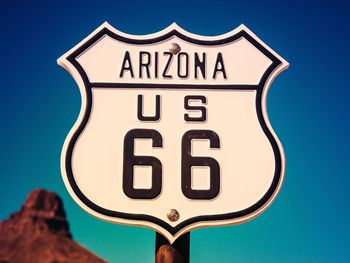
(174, 48)
(173, 215)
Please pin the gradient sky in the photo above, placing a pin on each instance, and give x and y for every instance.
(307, 104)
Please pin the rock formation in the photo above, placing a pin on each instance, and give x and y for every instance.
(39, 233)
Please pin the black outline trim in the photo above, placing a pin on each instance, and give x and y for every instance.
(259, 88)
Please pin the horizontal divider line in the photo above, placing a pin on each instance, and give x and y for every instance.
(173, 86)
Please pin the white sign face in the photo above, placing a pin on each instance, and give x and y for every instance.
(173, 132)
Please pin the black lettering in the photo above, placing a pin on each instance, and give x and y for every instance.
(199, 64)
(167, 65)
(156, 65)
(220, 61)
(188, 161)
(143, 64)
(181, 54)
(130, 160)
(203, 117)
(124, 67)
(140, 109)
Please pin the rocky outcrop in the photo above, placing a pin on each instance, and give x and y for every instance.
(39, 233)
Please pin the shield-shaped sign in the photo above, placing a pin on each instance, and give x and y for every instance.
(173, 132)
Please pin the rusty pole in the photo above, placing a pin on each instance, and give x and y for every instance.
(178, 252)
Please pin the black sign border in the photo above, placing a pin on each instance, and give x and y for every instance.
(259, 88)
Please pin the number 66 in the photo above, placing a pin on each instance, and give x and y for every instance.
(187, 161)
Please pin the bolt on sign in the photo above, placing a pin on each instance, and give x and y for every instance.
(173, 132)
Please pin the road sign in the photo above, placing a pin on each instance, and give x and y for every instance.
(173, 132)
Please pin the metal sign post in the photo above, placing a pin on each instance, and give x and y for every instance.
(179, 251)
(173, 132)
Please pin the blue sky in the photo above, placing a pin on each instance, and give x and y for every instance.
(307, 105)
